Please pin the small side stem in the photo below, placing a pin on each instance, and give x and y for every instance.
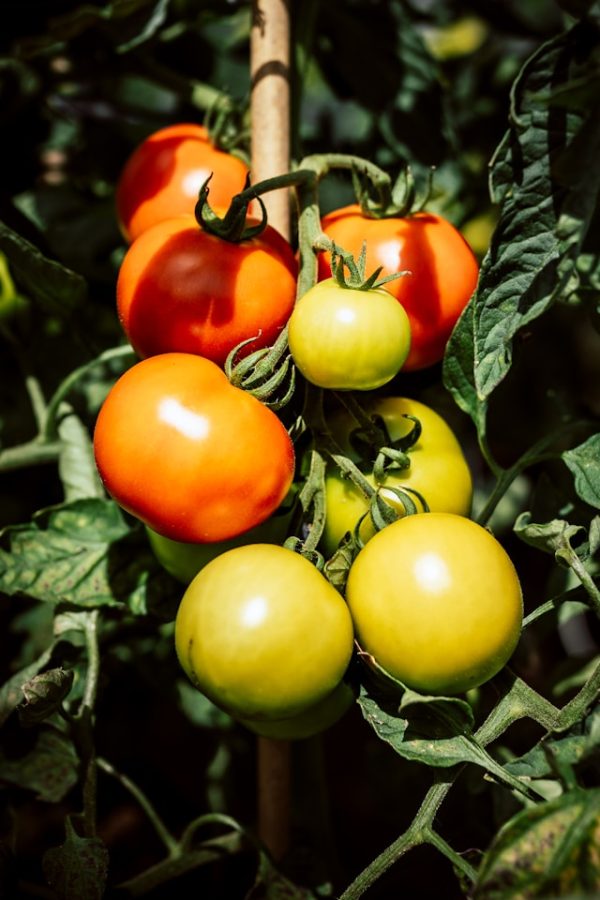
(433, 838)
(162, 831)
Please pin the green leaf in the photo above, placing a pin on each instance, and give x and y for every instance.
(571, 749)
(77, 870)
(545, 179)
(435, 731)
(83, 553)
(57, 289)
(584, 463)
(49, 768)
(551, 537)
(76, 464)
(545, 851)
(11, 693)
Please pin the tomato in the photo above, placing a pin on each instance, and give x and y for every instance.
(262, 633)
(346, 338)
(443, 271)
(436, 600)
(315, 719)
(163, 176)
(184, 561)
(181, 289)
(438, 469)
(190, 455)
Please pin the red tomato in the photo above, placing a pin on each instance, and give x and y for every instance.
(443, 271)
(163, 176)
(182, 289)
(190, 455)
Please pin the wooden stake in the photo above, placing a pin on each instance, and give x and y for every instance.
(270, 113)
(270, 103)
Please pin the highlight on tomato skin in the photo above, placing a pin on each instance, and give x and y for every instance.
(443, 270)
(181, 289)
(162, 177)
(189, 454)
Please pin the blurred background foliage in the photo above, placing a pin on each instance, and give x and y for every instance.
(419, 82)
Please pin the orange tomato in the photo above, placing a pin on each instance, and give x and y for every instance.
(443, 271)
(163, 176)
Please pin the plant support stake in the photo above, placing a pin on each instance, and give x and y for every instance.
(270, 114)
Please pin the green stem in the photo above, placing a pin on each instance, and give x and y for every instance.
(32, 453)
(32, 384)
(171, 845)
(455, 858)
(587, 581)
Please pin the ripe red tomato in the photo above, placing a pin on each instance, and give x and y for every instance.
(181, 289)
(190, 455)
(163, 176)
(443, 271)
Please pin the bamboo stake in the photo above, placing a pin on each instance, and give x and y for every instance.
(270, 113)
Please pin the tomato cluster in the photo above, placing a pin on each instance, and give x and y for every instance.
(209, 468)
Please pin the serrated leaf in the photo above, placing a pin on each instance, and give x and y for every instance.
(83, 553)
(57, 289)
(547, 850)
(546, 182)
(77, 870)
(584, 463)
(551, 537)
(435, 731)
(49, 768)
(76, 465)
(11, 693)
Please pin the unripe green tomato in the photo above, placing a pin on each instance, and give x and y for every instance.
(436, 600)
(314, 720)
(438, 469)
(183, 561)
(348, 339)
(262, 633)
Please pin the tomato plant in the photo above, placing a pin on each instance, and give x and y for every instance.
(438, 470)
(182, 289)
(190, 455)
(442, 270)
(262, 633)
(436, 600)
(348, 338)
(162, 177)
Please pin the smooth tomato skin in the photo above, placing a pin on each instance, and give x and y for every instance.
(443, 271)
(438, 469)
(190, 455)
(183, 560)
(348, 339)
(436, 600)
(262, 633)
(163, 176)
(317, 718)
(180, 289)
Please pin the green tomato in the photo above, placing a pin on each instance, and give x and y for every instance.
(262, 633)
(183, 561)
(314, 720)
(438, 469)
(436, 600)
(348, 339)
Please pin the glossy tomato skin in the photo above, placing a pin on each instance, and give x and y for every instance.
(314, 720)
(184, 560)
(348, 339)
(262, 633)
(443, 271)
(181, 289)
(163, 176)
(190, 455)
(436, 600)
(438, 471)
